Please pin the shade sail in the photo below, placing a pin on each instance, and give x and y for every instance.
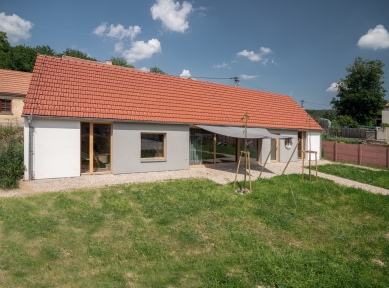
(238, 132)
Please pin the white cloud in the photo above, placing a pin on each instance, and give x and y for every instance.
(377, 38)
(16, 28)
(248, 77)
(141, 50)
(333, 87)
(250, 54)
(120, 32)
(144, 69)
(265, 50)
(117, 31)
(185, 73)
(223, 65)
(99, 30)
(119, 47)
(172, 15)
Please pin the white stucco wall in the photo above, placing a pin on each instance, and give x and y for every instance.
(56, 146)
(313, 143)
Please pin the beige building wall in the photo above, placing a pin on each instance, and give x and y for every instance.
(16, 115)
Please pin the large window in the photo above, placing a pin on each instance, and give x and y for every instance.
(153, 146)
(5, 106)
(209, 148)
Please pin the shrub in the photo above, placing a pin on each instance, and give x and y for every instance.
(11, 156)
(327, 137)
(384, 125)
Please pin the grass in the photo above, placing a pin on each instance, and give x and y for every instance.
(195, 233)
(375, 178)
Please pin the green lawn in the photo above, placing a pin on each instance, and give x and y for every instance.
(375, 178)
(195, 233)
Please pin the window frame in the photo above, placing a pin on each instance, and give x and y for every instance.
(6, 112)
(153, 159)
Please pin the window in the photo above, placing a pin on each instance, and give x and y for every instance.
(5, 106)
(153, 146)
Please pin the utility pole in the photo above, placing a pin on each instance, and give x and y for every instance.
(236, 80)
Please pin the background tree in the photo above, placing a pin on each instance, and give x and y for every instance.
(45, 50)
(157, 71)
(76, 53)
(361, 94)
(5, 47)
(346, 121)
(120, 61)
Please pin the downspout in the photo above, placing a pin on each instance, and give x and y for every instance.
(30, 148)
(31, 130)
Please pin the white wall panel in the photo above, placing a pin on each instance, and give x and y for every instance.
(56, 146)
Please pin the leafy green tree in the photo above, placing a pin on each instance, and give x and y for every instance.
(120, 61)
(329, 114)
(157, 71)
(22, 58)
(76, 53)
(45, 50)
(361, 94)
(346, 121)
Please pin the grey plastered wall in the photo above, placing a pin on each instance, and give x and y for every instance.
(283, 153)
(126, 147)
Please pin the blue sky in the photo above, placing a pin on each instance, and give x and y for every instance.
(296, 48)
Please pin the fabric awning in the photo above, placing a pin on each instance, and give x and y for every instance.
(238, 132)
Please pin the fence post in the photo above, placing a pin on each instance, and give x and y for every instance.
(359, 154)
(335, 151)
(387, 157)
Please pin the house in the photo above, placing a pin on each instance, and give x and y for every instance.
(90, 117)
(13, 90)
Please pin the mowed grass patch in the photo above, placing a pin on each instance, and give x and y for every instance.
(368, 176)
(195, 233)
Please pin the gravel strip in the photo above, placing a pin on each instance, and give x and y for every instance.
(218, 174)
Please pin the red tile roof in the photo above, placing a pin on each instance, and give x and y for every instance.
(86, 89)
(14, 82)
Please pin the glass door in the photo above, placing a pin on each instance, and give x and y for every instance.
(274, 151)
(95, 147)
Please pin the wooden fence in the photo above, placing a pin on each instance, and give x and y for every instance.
(356, 153)
(359, 133)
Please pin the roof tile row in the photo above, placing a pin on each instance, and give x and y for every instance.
(85, 89)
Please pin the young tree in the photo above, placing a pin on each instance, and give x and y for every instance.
(361, 94)
(120, 61)
(157, 71)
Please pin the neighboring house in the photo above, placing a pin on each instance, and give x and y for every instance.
(385, 114)
(90, 117)
(13, 90)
